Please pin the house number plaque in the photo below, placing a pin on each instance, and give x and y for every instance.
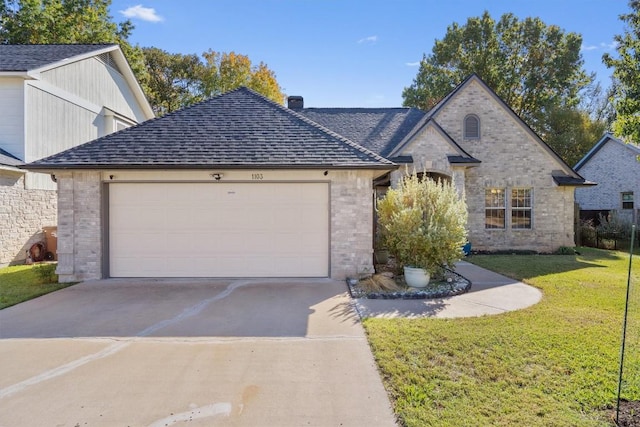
(257, 176)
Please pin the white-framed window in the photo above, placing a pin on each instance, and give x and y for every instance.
(511, 208)
(471, 127)
(627, 199)
(521, 208)
(495, 204)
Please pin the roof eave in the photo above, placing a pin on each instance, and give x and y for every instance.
(69, 167)
(75, 58)
(131, 79)
(21, 74)
(9, 168)
(563, 181)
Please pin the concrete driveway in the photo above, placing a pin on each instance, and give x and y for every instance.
(215, 353)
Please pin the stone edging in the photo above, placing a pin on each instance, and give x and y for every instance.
(453, 284)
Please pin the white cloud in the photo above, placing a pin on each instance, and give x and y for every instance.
(591, 47)
(412, 64)
(601, 46)
(370, 39)
(144, 13)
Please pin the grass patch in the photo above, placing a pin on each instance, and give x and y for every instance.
(553, 364)
(24, 282)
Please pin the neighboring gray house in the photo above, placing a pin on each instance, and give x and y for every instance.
(240, 186)
(615, 166)
(54, 97)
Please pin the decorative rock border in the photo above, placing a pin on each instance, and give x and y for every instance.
(453, 284)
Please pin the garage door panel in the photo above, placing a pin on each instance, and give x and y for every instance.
(219, 229)
(148, 242)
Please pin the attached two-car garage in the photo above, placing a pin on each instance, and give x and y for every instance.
(218, 229)
(235, 186)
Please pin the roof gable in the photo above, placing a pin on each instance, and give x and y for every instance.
(238, 129)
(461, 157)
(606, 138)
(30, 60)
(474, 78)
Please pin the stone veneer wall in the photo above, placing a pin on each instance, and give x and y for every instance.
(23, 214)
(79, 226)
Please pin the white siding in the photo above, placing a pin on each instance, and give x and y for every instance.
(54, 124)
(102, 86)
(12, 116)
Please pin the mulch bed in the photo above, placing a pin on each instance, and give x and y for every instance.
(629, 414)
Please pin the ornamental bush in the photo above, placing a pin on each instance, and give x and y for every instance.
(423, 223)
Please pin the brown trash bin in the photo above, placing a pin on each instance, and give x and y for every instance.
(51, 241)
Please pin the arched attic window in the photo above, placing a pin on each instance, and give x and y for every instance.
(472, 127)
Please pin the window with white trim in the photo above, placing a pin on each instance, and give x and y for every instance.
(521, 208)
(494, 208)
(471, 127)
(627, 200)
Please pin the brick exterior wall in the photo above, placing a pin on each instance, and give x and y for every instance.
(511, 158)
(23, 214)
(80, 247)
(615, 169)
(351, 223)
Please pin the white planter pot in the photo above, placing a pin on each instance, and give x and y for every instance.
(416, 277)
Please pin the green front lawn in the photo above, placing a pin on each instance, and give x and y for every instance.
(24, 282)
(553, 364)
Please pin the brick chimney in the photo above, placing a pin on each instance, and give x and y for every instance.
(295, 102)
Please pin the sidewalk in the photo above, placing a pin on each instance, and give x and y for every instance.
(490, 293)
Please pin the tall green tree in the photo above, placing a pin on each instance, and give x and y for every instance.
(227, 71)
(626, 75)
(174, 80)
(573, 132)
(535, 68)
(177, 80)
(67, 21)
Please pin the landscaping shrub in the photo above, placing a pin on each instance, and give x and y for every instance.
(46, 273)
(423, 223)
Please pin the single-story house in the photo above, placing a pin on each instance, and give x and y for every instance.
(615, 166)
(239, 186)
(54, 97)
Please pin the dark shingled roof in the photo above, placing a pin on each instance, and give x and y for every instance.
(17, 57)
(237, 129)
(378, 129)
(9, 159)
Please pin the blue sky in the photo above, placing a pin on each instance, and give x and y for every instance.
(348, 53)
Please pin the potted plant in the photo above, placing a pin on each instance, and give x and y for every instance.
(423, 224)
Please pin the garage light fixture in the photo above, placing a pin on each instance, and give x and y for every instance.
(217, 176)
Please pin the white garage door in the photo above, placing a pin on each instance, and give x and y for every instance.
(218, 230)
